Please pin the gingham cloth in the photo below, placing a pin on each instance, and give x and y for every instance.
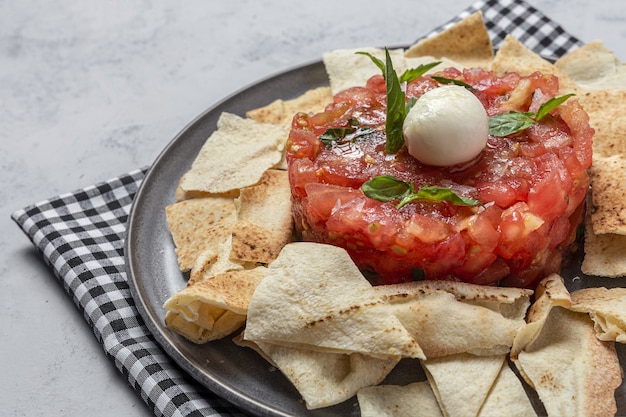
(81, 235)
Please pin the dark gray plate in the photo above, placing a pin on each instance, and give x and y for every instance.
(236, 374)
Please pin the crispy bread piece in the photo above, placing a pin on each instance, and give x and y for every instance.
(198, 225)
(466, 42)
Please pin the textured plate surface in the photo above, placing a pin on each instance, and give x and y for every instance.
(235, 373)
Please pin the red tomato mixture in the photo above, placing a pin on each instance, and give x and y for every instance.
(532, 185)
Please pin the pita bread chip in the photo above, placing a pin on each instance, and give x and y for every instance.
(323, 378)
(605, 255)
(508, 394)
(202, 263)
(347, 69)
(448, 317)
(514, 56)
(235, 156)
(213, 308)
(181, 194)
(198, 225)
(203, 331)
(466, 42)
(593, 67)
(608, 209)
(444, 326)
(462, 382)
(550, 292)
(315, 297)
(414, 62)
(510, 302)
(264, 221)
(211, 263)
(282, 111)
(606, 118)
(412, 400)
(607, 309)
(573, 372)
(558, 354)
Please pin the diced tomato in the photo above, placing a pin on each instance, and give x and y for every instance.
(548, 198)
(532, 186)
(504, 193)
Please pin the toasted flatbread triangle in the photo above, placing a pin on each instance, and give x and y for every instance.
(477, 319)
(235, 155)
(462, 382)
(324, 378)
(305, 304)
(593, 66)
(608, 215)
(264, 221)
(282, 111)
(507, 394)
(550, 292)
(198, 225)
(558, 354)
(607, 309)
(605, 254)
(212, 308)
(573, 372)
(466, 42)
(214, 262)
(346, 68)
(413, 400)
(514, 56)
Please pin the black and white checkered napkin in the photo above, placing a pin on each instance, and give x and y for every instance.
(81, 237)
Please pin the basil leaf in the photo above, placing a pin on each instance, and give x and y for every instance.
(504, 124)
(550, 105)
(380, 64)
(444, 80)
(334, 134)
(414, 73)
(339, 135)
(435, 193)
(396, 108)
(385, 188)
(388, 188)
(410, 105)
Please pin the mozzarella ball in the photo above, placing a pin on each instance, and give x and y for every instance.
(446, 126)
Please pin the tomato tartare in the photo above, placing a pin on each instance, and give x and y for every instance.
(530, 185)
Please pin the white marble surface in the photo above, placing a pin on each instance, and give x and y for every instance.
(91, 90)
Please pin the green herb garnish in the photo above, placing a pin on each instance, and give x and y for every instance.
(504, 124)
(414, 73)
(339, 135)
(407, 76)
(397, 107)
(388, 188)
(445, 80)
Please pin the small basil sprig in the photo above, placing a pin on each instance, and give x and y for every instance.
(445, 80)
(339, 135)
(504, 124)
(388, 188)
(414, 73)
(397, 107)
(408, 75)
